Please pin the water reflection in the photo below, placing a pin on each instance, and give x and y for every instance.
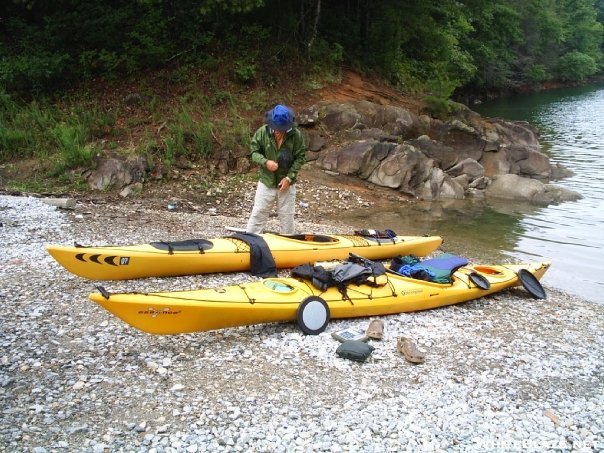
(477, 228)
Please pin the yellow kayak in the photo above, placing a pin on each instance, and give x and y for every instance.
(279, 299)
(228, 254)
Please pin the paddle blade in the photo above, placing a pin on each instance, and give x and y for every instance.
(480, 280)
(531, 284)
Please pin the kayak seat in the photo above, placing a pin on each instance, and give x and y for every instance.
(309, 237)
(189, 245)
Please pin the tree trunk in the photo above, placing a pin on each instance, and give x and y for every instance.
(315, 28)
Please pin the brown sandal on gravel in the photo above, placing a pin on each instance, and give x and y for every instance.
(407, 347)
(375, 329)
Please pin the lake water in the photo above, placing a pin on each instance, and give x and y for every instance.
(570, 235)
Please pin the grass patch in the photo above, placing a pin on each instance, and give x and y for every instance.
(25, 129)
(191, 114)
(72, 148)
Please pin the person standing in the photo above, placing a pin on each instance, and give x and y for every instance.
(278, 148)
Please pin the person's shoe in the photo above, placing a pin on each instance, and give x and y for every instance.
(375, 329)
(407, 347)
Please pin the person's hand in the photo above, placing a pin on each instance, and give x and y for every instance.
(271, 165)
(284, 184)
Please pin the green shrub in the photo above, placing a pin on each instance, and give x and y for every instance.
(437, 101)
(99, 61)
(222, 96)
(437, 107)
(250, 32)
(536, 74)
(245, 72)
(402, 75)
(182, 74)
(33, 73)
(576, 66)
(326, 55)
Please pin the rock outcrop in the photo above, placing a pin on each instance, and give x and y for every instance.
(429, 159)
(390, 146)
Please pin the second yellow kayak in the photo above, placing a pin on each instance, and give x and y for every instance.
(278, 299)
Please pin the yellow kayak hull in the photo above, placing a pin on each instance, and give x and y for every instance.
(277, 300)
(229, 255)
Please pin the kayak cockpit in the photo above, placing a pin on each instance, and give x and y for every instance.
(189, 245)
(309, 237)
(278, 286)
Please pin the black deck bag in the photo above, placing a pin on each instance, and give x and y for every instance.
(347, 273)
(321, 278)
(342, 275)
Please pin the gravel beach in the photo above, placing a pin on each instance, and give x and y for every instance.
(502, 373)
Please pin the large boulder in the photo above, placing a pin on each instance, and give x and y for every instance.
(444, 155)
(397, 121)
(339, 117)
(405, 169)
(468, 167)
(496, 162)
(308, 117)
(439, 185)
(392, 120)
(371, 133)
(516, 132)
(528, 161)
(517, 159)
(117, 172)
(557, 194)
(560, 172)
(315, 141)
(357, 159)
(514, 187)
(466, 140)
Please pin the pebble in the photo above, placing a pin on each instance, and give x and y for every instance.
(503, 373)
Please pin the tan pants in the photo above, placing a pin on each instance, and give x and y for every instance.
(263, 203)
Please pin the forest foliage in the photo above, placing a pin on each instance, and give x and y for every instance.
(419, 45)
(432, 48)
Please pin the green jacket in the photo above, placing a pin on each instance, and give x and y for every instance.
(264, 147)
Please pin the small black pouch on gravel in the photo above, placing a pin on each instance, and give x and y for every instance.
(355, 350)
